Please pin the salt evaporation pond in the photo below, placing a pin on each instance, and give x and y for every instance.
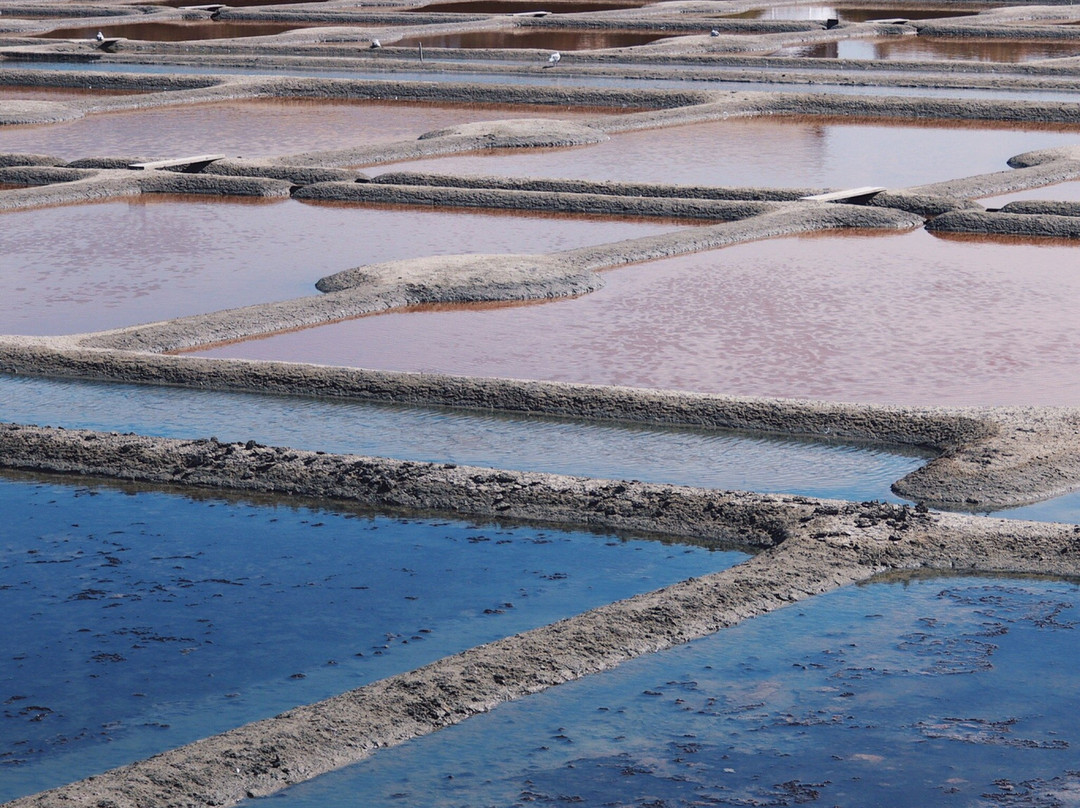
(177, 31)
(542, 38)
(707, 458)
(896, 319)
(919, 48)
(137, 620)
(258, 127)
(165, 258)
(776, 152)
(858, 13)
(945, 691)
(523, 6)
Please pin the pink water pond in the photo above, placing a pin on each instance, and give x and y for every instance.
(255, 128)
(90, 267)
(918, 48)
(909, 319)
(775, 152)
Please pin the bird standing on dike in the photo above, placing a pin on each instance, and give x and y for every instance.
(553, 59)
(100, 37)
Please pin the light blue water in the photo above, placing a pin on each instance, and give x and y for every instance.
(1061, 509)
(526, 443)
(135, 621)
(961, 692)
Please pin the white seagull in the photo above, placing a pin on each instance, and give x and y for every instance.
(553, 59)
(376, 43)
(100, 37)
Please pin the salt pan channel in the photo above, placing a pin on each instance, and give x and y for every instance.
(138, 620)
(903, 319)
(908, 693)
(777, 152)
(709, 459)
(166, 258)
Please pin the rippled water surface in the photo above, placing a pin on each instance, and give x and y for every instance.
(905, 319)
(255, 128)
(793, 152)
(937, 692)
(136, 621)
(90, 267)
(610, 450)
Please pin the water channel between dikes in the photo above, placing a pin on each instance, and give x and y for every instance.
(256, 128)
(166, 258)
(139, 620)
(908, 693)
(611, 450)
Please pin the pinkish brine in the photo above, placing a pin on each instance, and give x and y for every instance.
(911, 319)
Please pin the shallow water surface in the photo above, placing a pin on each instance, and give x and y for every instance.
(90, 267)
(176, 31)
(899, 694)
(1062, 192)
(523, 6)
(775, 152)
(853, 13)
(256, 128)
(138, 620)
(900, 319)
(542, 38)
(919, 48)
(711, 459)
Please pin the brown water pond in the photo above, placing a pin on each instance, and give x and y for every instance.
(523, 6)
(538, 38)
(909, 319)
(89, 267)
(255, 128)
(919, 48)
(854, 13)
(177, 31)
(236, 3)
(775, 152)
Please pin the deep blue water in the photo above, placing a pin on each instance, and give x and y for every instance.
(134, 622)
(944, 692)
(609, 450)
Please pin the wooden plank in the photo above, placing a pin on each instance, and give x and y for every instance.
(851, 193)
(177, 161)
